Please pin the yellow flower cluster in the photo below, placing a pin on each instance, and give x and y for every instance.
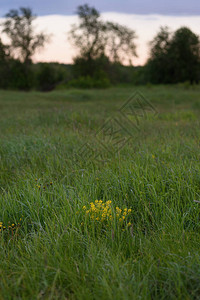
(41, 186)
(11, 227)
(106, 213)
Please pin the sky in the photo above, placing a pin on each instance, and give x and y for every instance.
(143, 16)
(68, 7)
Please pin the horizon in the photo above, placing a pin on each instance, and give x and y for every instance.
(146, 25)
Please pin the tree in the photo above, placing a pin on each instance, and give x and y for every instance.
(19, 28)
(96, 40)
(89, 35)
(4, 52)
(48, 75)
(120, 43)
(4, 67)
(160, 44)
(158, 66)
(185, 53)
(174, 57)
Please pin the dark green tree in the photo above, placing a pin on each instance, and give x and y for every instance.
(4, 65)
(19, 28)
(120, 43)
(174, 57)
(89, 35)
(100, 42)
(185, 55)
(158, 66)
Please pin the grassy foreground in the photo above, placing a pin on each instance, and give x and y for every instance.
(53, 243)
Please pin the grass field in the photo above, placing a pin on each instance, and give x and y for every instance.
(63, 248)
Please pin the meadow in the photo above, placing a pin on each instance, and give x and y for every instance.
(141, 239)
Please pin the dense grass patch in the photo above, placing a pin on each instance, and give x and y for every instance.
(55, 252)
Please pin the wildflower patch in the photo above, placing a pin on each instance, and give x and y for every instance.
(103, 215)
(11, 228)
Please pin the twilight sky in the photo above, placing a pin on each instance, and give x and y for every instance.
(67, 7)
(144, 16)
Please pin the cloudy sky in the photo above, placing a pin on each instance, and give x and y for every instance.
(68, 7)
(144, 16)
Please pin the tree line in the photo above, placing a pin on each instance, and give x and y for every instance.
(106, 52)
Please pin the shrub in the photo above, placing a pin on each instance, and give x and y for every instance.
(19, 76)
(49, 75)
(87, 82)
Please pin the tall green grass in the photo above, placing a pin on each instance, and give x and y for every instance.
(157, 174)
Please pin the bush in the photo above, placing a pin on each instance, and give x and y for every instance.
(21, 77)
(48, 76)
(16, 75)
(88, 82)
